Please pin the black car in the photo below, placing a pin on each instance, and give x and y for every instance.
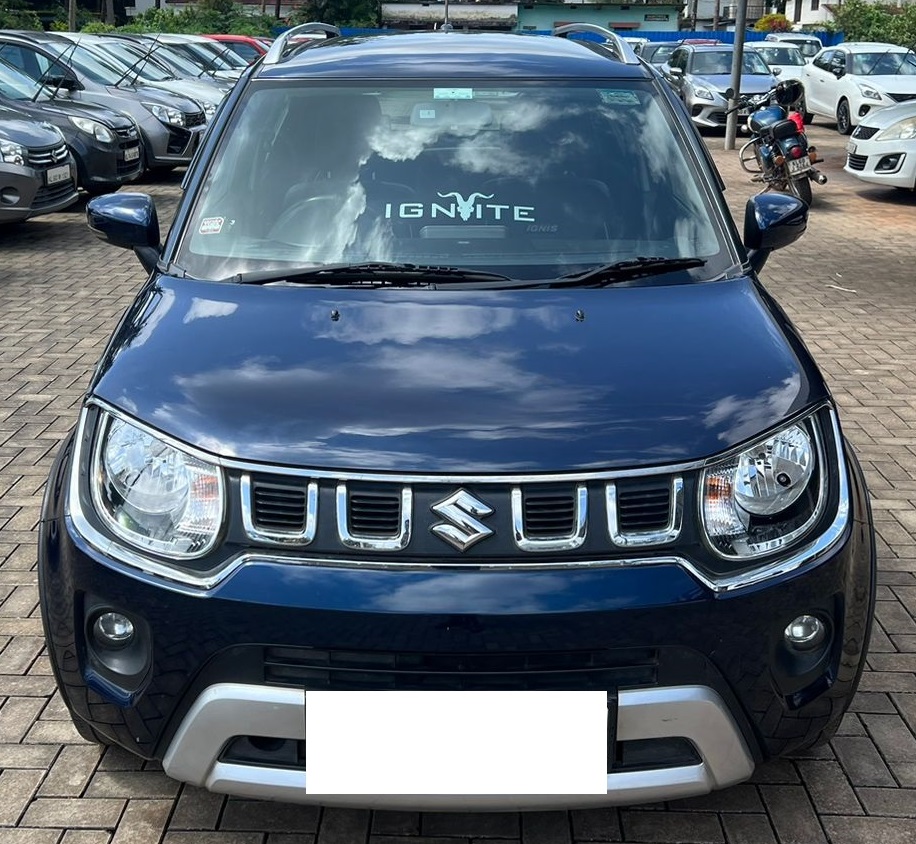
(105, 143)
(37, 173)
(170, 126)
(454, 417)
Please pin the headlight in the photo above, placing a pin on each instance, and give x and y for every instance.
(94, 128)
(703, 94)
(770, 494)
(869, 93)
(12, 153)
(166, 114)
(153, 495)
(902, 130)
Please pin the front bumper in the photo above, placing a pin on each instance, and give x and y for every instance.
(23, 193)
(169, 146)
(661, 643)
(882, 163)
(226, 710)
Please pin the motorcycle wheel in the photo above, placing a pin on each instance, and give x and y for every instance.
(801, 188)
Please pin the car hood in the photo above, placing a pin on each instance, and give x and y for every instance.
(203, 92)
(147, 93)
(457, 381)
(22, 129)
(751, 83)
(881, 118)
(64, 108)
(895, 83)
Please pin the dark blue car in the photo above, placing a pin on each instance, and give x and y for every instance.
(453, 375)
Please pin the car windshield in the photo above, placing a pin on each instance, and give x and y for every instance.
(808, 46)
(884, 64)
(657, 53)
(99, 69)
(182, 64)
(781, 55)
(141, 63)
(214, 57)
(719, 62)
(526, 180)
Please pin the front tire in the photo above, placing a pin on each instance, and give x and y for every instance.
(843, 118)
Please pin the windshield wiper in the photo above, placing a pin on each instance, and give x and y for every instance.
(375, 273)
(625, 271)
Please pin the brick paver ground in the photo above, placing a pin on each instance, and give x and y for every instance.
(850, 286)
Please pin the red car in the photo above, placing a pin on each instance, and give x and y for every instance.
(248, 47)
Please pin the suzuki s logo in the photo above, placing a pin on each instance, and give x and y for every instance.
(462, 528)
(475, 207)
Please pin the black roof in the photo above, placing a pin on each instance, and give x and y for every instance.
(453, 55)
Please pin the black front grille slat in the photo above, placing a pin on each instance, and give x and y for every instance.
(643, 506)
(375, 512)
(864, 132)
(340, 670)
(902, 98)
(197, 118)
(53, 194)
(279, 506)
(548, 514)
(856, 162)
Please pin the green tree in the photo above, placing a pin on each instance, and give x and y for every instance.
(773, 23)
(356, 13)
(886, 22)
(15, 14)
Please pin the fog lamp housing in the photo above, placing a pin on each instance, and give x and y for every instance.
(112, 630)
(805, 633)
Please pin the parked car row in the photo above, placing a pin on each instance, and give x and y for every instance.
(92, 112)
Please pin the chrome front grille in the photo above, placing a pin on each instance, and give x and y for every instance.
(48, 157)
(441, 522)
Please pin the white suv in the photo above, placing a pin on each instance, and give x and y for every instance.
(807, 43)
(847, 82)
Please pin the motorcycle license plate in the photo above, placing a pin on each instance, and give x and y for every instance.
(798, 165)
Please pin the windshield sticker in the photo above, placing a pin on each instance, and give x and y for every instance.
(461, 208)
(211, 225)
(453, 93)
(619, 97)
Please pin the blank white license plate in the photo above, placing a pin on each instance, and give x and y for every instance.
(798, 165)
(132, 153)
(456, 742)
(851, 148)
(58, 174)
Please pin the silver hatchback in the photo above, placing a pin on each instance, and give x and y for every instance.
(701, 75)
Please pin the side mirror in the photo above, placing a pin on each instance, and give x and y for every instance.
(775, 71)
(676, 71)
(729, 93)
(772, 221)
(838, 72)
(128, 220)
(64, 82)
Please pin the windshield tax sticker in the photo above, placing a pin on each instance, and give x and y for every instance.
(619, 97)
(453, 93)
(211, 225)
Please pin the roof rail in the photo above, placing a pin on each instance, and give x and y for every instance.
(623, 51)
(281, 43)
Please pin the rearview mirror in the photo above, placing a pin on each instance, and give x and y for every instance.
(677, 71)
(127, 220)
(772, 221)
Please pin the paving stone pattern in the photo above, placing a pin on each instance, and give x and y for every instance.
(850, 286)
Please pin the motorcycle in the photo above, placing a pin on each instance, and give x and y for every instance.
(778, 153)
